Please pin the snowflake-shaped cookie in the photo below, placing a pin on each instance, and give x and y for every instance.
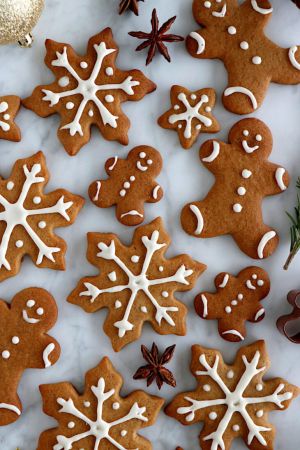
(9, 107)
(88, 91)
(234, 33)
(233, 401)
(99, 418)
(191, 114)
(136, 283)
(28, 217)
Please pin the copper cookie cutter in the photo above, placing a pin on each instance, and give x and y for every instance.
(283, 322)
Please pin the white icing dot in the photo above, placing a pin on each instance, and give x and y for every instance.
(207, 4)
(231, 30)
(116, 405)
(161, 269)
(19, 243)
(37, 200)
(10, 185)
(91, 113)
(244, 45)
(122, 193)
(246, 133)
(64, 81)
(71, 425)
(42, 224)
(256, 60)
(260, 283)
(228, 309)
(207, 388)
(135, 259)
(165, 294)
(234, 302)
(230, 374)
(259, 387)
(30, 303)
(70, 105)
(5, 354)
(246, 173)
(109, 71)
(132, 178)
(213, 416)
(193, 96)
(126, 185)
(176, 107)
(198, 127)
(237, 207)
(240, 296)
(40, 311)
(236, 428)
(109, 98)
(15, 340)
(241, 191)
(6, 117)
(150, 162)
(123, 433)
(112, 276)
(87, 404)
(118, 304)
(180, 126)
(144, 309)
(254, 276)
(142, 155)
(83, 64)
(258, 137)
(259, 413)
(208, 109)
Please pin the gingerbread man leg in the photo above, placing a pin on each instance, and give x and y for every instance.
(10, 405)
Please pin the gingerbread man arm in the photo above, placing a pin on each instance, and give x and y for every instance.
(276, 178)
(200, 44)
(213, 154)
(47, 352)
(286, 68)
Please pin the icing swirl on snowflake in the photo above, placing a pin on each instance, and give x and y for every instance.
(89, 89)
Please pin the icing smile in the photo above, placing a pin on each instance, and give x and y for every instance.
(29, 319)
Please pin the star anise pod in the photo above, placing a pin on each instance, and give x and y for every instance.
(155, 369)
(129, 4)
(155, 40)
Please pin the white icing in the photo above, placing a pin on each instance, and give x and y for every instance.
(259, 387)
(279, 174)
(235, 333)
(257, 60)
(42, 224)
(259, 314)
(19, 244)
(199, 217)
(258, 137)
(10, 185)
(214, 154)
(15, 214)
(112, 276)
(244, 45)
(46, 353)
(264, 241)
(122, 193)
(96, 197)
(200, 41)
(231, 30)
(99, 429)
(235, 401)
(237, 208)
(15, 340)
(109, 98)
(228, 310)
(30, 303)
(246, 173)
(5, 354)
(84, 65)
(135, 259)
(118, 304)
(5, 126)
(142, 155)
(259, 413)
(109, 71)
(213, 415)
(207, 4)
(205, 307)
(64, 81)
(235, 428)
(6, 116)
(113, 164)
(241, 191)
(225, 281)
(91, 113)
(260, 10)
(248, 148)
(10, 408)
(132, 213)
(37, 200)
(123, 433)
(71, 425)
(260, 283)
(221, 13)
(191, 112)
(165, 294)
(141, 166)
(88, 89)
(28, 319)
(254, 276)
(242, 90)
(207, 388)
(240, 297)
(87, 404)
(230, 374)
(292, 55)
(250, 285)
(40, 311)
(144, 309)
(155, 192)
(234, 302)
(70, 105)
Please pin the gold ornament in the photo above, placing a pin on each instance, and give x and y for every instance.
(17, 19)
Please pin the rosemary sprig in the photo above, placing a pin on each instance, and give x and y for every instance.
(295, 231)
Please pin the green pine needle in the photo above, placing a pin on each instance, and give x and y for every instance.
(294, 231)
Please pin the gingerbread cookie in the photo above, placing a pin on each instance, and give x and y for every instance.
(234, 34)
(9, 107)
(190, 114)
(29, 217)
(236, 301)
(24, 344)
(233, 400)
(88, 91)
(284, 321)
(99, 418)
(136, 283)
(244, 176)
(131, 183)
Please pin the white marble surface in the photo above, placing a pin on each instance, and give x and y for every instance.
(82, 340)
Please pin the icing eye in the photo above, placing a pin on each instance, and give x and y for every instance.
(30, 303)
(149, 162)
(40, 311)
(246, 133)
(142, 155)
(207, 4)
(260, 283)
(254, 276)
(258, 137)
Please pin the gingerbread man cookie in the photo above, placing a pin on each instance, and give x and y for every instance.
(244, 176)
(28, 217)
(137, 284)
(237, 300)
(233, 401)
(131, 183)
(9, 107)
(191, 114)
(88, 91)
(24, 344)
(99, 418)
(234, 34)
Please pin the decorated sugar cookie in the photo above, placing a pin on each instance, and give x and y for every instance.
(237, 300)
(244, 176)
(88, 90)
(24, 344)
(28, 217)
(233, 401)
(234, 33)
(190, 114)
(136, 283)
(9, 107)
(99, 418)
(131, 183)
